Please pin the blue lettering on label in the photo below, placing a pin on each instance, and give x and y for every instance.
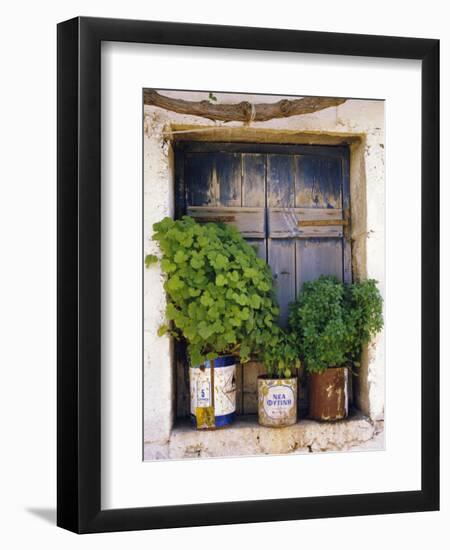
(279, 401)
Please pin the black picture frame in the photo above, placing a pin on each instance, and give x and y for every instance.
(79, 275)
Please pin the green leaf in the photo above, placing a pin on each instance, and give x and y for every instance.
(250, 273)
(174, 283)
(245, 313)
(264, 286)
(213, 312)
(241, 299)
(167, 266)
(230, 337)
(221, 261)
(268, 319)
(206, 299)
(171, 311)
(221, 280)
(204, 330)
(162, 330)
(195, 355)
(197, 263)
(180, 257)
(150, 259)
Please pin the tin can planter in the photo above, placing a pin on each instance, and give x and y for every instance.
(277, 401)
(328, 394)
(213, 393)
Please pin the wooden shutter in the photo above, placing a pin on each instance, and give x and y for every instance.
(292, 202)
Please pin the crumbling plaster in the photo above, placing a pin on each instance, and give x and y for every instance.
(358, 123)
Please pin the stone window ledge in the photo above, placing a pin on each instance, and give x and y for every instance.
(246, 437)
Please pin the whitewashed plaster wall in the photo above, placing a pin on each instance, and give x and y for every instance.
(356, 122)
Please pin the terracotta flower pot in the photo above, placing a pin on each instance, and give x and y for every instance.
(328, 394)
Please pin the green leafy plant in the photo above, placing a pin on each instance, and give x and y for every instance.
(333, 321)
(281, 356)
(220, 294)
(364, 306)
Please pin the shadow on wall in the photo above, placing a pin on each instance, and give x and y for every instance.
(46, 514)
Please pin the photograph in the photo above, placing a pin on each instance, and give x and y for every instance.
(225, 254)
(263, 274)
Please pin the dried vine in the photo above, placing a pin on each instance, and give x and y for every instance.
(243, 111)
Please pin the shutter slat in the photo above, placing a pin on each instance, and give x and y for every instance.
(287, 222)
(318, 182)
(281, 250)
(249, 220)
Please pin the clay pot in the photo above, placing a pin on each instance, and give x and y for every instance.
(277, 401)
(328, 394)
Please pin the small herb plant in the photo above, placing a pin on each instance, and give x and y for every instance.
(281, 356)
(220, 294)
(333, 321)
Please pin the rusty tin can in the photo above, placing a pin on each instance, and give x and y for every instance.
(328, 394)
(277, 401)
(213, 408)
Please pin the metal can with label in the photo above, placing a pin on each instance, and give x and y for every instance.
(277, 401)
(213, 408)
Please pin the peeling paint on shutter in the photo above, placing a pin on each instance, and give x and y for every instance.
(291, 202)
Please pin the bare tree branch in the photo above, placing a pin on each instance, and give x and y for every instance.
(244, 111)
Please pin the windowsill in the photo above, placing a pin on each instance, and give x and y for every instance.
(245, 437)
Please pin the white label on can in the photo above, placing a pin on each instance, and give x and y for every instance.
(278, 401)
(225, 389)
(203, 392)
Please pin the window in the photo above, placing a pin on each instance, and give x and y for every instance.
(291, 201)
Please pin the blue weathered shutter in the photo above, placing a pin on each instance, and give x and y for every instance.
(290, 201)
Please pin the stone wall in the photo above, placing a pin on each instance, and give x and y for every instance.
(358, 123)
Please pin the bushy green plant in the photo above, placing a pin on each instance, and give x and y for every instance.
(333, 321)
(364, 307)
(220, 294)
(281, 356)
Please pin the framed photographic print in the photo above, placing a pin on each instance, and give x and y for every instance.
(248, 258)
